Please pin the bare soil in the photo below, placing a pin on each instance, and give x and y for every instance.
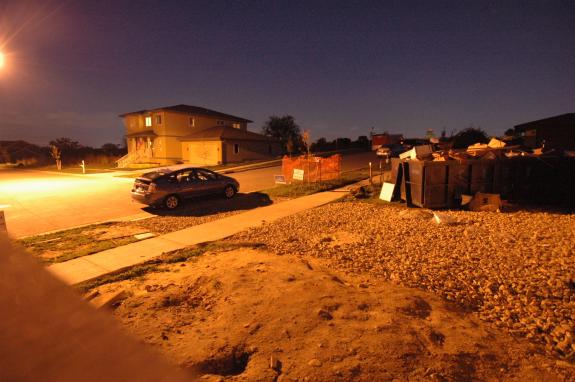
(251, 315)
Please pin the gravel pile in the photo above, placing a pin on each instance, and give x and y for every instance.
(516, 270)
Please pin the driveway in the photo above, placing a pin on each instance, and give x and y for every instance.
(38, 201)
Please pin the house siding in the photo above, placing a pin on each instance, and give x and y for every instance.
(249, 150)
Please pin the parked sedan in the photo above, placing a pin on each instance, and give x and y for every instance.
(168, 188)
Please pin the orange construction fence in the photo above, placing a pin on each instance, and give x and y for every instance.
(310, 168)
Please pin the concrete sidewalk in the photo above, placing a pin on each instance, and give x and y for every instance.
(89, 267)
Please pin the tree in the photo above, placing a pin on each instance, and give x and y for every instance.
(363, 142)
(342, 143)
(56, 153)
(469, 136)
(4, 155)
(66, 144)
(110, 147)
(510, 132)
(69, 150)
(320, 145)
(285, 130)
(306, 139)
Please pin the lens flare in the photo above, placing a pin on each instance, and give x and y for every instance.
(1, 60)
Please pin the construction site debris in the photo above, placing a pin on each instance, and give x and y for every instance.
(495, 143)
(520, 176)
(418, 152)
(387, 190)
(485, 202)
(465, 199)
(443, 219)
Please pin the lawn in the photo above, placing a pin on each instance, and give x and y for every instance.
(77, 242)
(299, 189)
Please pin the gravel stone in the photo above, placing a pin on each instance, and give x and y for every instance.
(513, 269)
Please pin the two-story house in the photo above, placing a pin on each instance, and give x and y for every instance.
(192, 134)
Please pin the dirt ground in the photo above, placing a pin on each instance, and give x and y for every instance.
(250, 315)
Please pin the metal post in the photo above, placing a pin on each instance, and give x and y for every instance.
(380, 172)
(83, 165)
(370, 175)
(3, 222)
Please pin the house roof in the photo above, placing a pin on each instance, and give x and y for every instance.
(567, 119)
(195, 110)
(225, 133)
(145, 133)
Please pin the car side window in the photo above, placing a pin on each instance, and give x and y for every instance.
(205, 175)
(186, 176)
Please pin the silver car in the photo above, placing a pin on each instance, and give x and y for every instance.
(169, 188)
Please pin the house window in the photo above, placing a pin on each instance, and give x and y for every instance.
(236, 125)
(192, 122)
(220, 122)
(158, 119)
(236, 148)
(148, 121)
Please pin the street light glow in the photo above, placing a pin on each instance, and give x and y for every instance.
(1, 60)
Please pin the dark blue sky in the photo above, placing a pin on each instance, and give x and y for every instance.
(339, 67)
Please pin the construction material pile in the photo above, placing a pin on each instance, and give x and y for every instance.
(495, 149)
(431, 178)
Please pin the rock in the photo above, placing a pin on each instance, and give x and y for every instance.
(255, 328)
(315, 362)
(275, 363)
(324, 314)
(109, 300)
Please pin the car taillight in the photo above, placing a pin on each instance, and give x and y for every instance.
(152, 187)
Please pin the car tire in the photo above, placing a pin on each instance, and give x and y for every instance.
(171, 202)
(229, 191)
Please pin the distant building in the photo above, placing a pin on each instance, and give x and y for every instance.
(378, 140)
(556, 132)
(192, 134)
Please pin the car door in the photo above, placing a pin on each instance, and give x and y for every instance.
(187, 183)
(211, 183)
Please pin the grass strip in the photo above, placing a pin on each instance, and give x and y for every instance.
(73, 243)
(296, 190)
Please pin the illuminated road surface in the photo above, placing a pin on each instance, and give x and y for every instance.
(37, 201)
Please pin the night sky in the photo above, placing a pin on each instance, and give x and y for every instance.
(339, 67)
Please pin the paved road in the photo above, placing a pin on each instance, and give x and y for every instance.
(38, 201)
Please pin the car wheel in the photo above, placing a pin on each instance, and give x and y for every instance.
(171, 202)
(229, 191)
